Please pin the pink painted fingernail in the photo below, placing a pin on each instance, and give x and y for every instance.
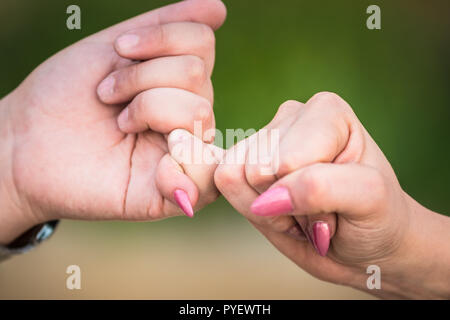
(106, 87)
(273, 202)
(321, 237)
(182, 199)
(127, 41)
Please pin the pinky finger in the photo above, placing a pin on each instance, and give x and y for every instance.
(319, 229)
(180, 194)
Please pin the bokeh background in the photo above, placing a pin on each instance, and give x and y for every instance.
(396, 79)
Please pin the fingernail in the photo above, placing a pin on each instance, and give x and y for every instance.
(321, 237)
(106, 87)
(123, 118)
(127, 41)
(182, 199)
(297, 233)
(273, 202)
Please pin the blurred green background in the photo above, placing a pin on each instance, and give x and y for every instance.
(396, 79)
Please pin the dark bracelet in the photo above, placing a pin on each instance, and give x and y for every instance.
(28, 240)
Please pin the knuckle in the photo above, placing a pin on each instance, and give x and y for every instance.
(254, 176)
(133, 76)
(195, 70)
(325, 97)
(333, 108)
(329, 100)
(287, 111)
(207, 36)
(210, 196)
(288, 164)
(158, 34)
(226, 176)
(141, 102)
(279, 224)
(289, 105)
(287, 108)
(203, 110)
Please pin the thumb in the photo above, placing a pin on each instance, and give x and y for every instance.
(317, 193)
(351, 190)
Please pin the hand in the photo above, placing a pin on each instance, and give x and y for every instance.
(64, 154)
(333, 203)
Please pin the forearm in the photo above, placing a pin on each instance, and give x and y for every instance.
(14, 220)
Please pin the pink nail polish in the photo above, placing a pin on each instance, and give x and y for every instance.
(273, 202)
(182, 199)
(321, 237)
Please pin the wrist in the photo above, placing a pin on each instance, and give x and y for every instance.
(14, 218)
(420, 268)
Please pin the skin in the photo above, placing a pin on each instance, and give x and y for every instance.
(335, 173)
(66, 153)
(70, 148)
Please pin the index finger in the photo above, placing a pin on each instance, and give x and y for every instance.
(209, 12)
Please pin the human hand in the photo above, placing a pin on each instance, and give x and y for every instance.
(334, 205)
(64, 154)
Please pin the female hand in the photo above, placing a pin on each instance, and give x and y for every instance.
(64, 150)
(333, 203)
